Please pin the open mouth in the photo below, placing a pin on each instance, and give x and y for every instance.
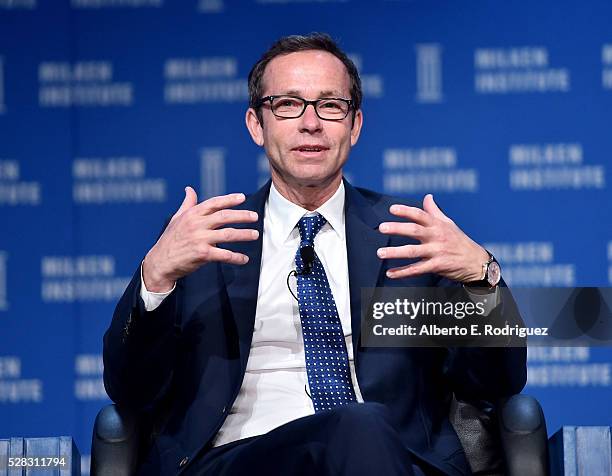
(310, 149)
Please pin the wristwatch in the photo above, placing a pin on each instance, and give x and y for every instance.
(491, 272)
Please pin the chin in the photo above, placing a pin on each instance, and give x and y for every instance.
(318, 172)
(316, 178)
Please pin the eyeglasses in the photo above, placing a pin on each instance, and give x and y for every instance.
(292, 107)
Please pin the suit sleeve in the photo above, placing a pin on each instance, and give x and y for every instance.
(140, 348)
(489, 373)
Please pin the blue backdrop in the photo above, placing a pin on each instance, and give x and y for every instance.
(108, 108)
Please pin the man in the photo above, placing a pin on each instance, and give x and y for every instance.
(243, 376)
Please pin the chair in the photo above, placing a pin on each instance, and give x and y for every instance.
(508, 440)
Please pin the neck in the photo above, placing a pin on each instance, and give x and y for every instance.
(309, 197)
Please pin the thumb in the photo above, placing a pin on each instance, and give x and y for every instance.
(430, 206)
(190, 200)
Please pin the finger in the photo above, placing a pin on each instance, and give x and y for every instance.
(190, 201)
(406, 251)
(218, 203)
(413, 230)
(411, 213)
(431, 207)
(222, 255)
(227, 216)
(227, 235)
(410, 270)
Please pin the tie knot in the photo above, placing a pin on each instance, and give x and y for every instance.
(309, 226)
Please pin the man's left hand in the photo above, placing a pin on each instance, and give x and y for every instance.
(444, 248)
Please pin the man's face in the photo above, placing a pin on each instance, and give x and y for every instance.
(305, 151)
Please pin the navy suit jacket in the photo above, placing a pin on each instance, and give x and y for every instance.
(182, 364)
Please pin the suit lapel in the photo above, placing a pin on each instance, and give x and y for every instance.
(362, 241)
(242, 282)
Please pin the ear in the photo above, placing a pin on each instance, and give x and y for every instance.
(356, 130)
(254, 127)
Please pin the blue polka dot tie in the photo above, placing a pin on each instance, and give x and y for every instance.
(327, 364)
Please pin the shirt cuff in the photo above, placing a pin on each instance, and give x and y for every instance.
(152, 300)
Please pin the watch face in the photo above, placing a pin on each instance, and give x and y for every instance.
(493, 273)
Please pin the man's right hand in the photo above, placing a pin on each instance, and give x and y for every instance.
(189, 241)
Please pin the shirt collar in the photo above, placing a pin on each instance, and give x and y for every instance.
(285, 215)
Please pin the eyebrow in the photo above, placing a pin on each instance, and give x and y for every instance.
(323, 94)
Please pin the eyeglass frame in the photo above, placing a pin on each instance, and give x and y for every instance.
(307, 103)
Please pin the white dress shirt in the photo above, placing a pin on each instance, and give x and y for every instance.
(274, 390)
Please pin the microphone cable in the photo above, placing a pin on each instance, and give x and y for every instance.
(307, 253)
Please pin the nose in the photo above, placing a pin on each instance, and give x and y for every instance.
(309, 121)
